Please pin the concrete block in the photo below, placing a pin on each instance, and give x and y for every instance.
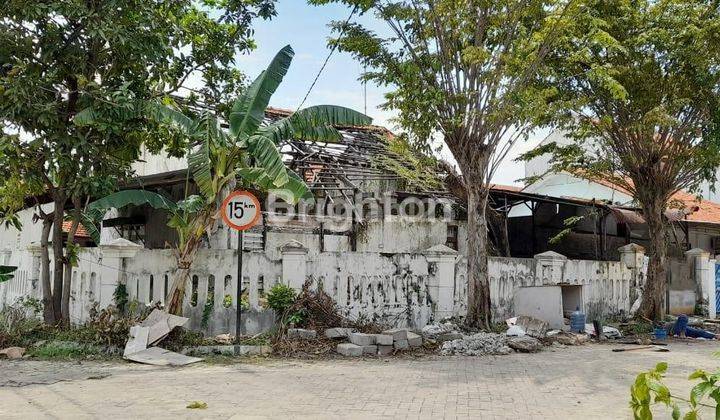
(373, 349)
(242, 350)
(384, 340)
(337, 332)
(401, 344)
(361, 339)
(301, 334)
(349, 349)
(384, 350)
(414, 340)
(397, 333)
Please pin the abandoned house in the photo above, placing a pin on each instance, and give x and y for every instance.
(384, 237)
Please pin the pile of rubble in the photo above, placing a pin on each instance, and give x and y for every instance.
(479, 344)
(359, 344)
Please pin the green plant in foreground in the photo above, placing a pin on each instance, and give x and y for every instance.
(649, 389)
(280, 298)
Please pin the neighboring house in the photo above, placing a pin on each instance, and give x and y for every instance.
(696, 221)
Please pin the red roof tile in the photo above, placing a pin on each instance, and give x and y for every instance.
(80, 233)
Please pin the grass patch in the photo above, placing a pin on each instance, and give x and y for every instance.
(65, 350)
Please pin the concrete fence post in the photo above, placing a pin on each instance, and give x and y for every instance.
(633, 256)
(294, 264)
(111, 272)
(549, 268)
(442, 282)
(35, 251)
(704, 277)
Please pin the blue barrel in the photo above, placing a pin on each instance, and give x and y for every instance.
(577, 321)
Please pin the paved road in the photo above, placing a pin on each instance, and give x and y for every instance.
(576, 382)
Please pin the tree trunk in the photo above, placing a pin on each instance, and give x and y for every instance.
(67, 282)
(479, 313)
(48, 310)
(185, 260)
(653, 295)
(58, 257)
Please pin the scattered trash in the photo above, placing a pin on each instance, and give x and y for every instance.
(680, 328)
(515, 331)
(151, 331)
(13, 352)
(197, 405)
(478, 344)
(160, 357)
(525, 344)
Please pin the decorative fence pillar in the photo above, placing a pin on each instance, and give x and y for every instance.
(549, 268)
(704, 275)
(441, 283)
(111, 272)
(35, 251)
(633, 256)
(294, 264)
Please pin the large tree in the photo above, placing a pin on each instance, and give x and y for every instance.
(637, 88)
(61, 57)
(461, 70)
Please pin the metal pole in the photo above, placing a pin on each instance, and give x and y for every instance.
(238, 292)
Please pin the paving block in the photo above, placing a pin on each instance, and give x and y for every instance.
(384, 340)
(373, 349)
(349, 349)
(361, 339)
(301, 334)
(397, 333)
(401, 344)
(337, 332)
(384, 350)
(414, 340)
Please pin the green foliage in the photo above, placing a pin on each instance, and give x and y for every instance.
(416, 170)
(280, 298)
(120, 297)
(649, 389)
(6, 273)
(569, 224)
(637, 96)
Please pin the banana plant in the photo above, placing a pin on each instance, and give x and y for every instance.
(247, 152)
(6, 273)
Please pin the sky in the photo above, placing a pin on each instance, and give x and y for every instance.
(305, 28)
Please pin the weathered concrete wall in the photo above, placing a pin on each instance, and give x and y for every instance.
(409, 289)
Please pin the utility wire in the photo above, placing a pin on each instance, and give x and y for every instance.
(327, 59)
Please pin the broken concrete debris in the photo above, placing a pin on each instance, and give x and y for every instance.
(525, 344)
(360, 339)
(441, 332)
(13, 352)
(151, 331)
(349, 349)
(482, 343)
(338, 332)
(379, 344)
(301, 334)
(531, 326)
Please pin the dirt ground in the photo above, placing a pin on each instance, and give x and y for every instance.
(586, 381)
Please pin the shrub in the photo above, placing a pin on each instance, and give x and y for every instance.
(280, 298)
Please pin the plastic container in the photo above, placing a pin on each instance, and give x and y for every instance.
(577, 321)
(660, 333)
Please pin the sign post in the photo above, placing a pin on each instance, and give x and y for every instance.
(240, 211)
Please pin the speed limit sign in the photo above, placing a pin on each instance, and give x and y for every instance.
(241, 210)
